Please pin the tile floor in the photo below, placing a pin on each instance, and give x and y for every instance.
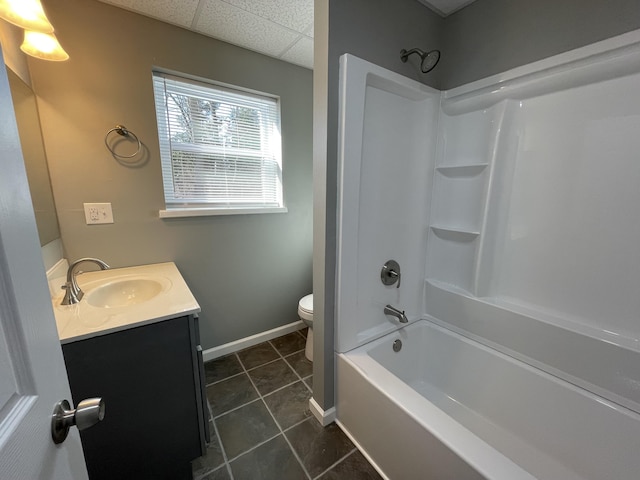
(261, 426)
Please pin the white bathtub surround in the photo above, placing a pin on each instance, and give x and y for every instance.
(522, 235)
(382, 196)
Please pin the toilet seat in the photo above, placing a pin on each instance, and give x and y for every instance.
(305, 308)
(305, 312)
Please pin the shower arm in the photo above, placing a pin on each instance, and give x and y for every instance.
(404, 54)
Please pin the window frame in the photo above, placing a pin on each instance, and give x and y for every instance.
(174, 207)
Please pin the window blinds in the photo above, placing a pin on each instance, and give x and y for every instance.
(220, 147)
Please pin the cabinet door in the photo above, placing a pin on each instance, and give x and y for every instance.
(152, 427)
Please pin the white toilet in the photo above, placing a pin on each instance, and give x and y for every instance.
(305, 312)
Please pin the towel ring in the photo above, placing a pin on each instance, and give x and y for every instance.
(122, 130)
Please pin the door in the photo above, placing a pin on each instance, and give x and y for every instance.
(32, 373)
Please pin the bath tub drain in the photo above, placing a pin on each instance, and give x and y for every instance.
(397, 345)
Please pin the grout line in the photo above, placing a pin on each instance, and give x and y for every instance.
(255, 447)
(296, 424)
(285, 358)
(294, 370)
(226, 378)
(260, 395)
(236, 408)
(261, 365)
(336, 463)
(277, 424)
(295, 454)
(281, 388)
(227, 461)
(222, 449)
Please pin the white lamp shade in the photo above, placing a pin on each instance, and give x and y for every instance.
(27, 14)
(44, 46)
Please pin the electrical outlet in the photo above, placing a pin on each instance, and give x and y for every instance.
(98, 213)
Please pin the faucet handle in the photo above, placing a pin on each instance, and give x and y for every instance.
(390, 273)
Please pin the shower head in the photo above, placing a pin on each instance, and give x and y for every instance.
(428, 59)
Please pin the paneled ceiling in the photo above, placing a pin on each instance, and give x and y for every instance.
(279, 28)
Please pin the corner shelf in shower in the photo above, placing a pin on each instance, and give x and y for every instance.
(469, 170)
(453, 233)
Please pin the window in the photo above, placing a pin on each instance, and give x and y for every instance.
(219, 146)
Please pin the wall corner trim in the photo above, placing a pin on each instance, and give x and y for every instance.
(325, 417)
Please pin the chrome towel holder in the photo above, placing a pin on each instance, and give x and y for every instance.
(123, 131)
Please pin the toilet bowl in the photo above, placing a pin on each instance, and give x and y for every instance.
(305, 312)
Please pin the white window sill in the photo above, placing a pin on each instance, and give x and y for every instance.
(205, 212)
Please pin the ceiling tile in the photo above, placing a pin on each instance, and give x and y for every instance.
(301, 53)
(294, 14)
(178, 12)
(226, 22)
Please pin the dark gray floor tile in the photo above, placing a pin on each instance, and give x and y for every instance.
(287, 344)
(289, 405)
(304, 332)
(309, 382)
(300, 364)
(257, 355)
(354, 467)
(271, 461)
(221, 368)
(318, 447)
(230, 393)
(245, 427)
(211, 460)
(220, 474)
(272, 376)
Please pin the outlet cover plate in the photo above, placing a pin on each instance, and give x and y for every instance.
(96, 213)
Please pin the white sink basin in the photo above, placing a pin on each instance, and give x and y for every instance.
(124, 292)
(121, 298)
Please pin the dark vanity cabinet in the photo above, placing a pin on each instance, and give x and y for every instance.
(151, 378)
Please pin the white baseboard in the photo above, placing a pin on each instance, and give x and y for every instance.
(325, 417)
(231, 347)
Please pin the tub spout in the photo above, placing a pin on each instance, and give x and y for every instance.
(394, 312)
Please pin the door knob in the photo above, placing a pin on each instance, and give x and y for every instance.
(88, 413)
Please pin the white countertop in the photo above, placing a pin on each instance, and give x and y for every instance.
(83, 320)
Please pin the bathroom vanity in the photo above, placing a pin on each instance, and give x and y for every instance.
(144, 359)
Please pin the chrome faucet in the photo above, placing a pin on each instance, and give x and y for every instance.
(394, 312)
(73, 292)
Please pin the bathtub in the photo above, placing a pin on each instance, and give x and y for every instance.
(447, 407)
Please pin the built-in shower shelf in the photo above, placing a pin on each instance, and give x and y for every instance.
(453, 233)
(448, 287)
(462, 170)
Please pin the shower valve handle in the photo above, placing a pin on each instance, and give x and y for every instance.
(390, 273)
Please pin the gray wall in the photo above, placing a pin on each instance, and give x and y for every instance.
(491, 36)
(246, 271)
(375, 30)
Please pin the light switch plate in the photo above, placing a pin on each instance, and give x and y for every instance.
(95, 213)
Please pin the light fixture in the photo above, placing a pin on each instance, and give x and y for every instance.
(44, 46)
(27, 14)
